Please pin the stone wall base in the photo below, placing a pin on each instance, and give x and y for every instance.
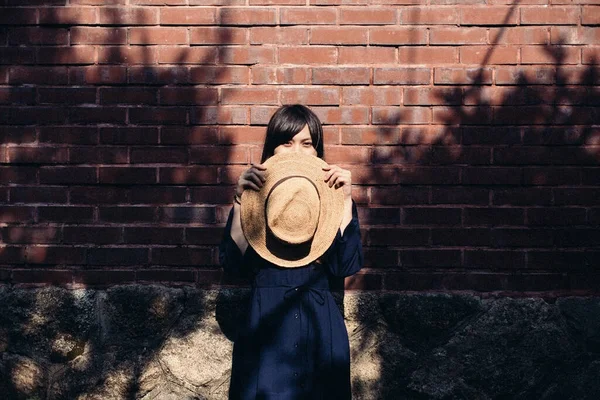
(156, 342)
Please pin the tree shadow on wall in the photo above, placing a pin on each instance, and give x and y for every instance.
(543, 118)
(140, 116)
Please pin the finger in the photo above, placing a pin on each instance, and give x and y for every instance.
(255, 179)
(251, 185)
(259, 166)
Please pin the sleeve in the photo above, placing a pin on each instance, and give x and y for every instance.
(345, 256)
(230, 255)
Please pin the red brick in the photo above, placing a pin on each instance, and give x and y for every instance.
(489, 216)
(397, 36)
(576, 196)
(241, 135)
(88, 115)
(17, 95)
(126, 175)
(212, 195)
(495, 259)
(555, 216)
(103, 278)
(249, 16)
(37, 235)
(165, 275)
(489, 15)
(219, 115)
(188, 16)
(37, 75)
(158, 115)
(219, 155)
(433, 96)
(37, 155)
(117, 256)
(403, 115)
(431, 216)
(574, 35)
(92, 235)
(307, 55)
(429, 16)
(430, 258)
(61, 255)
(428, 55)
(371, 96)
(286, 35)
(38, 36)
(379, 215)
(155, 155)
(543, 176)
(127, 16)
(187, 215)
(462, 76)
(147, 235)
(492, 176)
(18, 55)
(397, 237)
(519, 35)
(28, 194)
(342, 115)
(247, 55)
(522, 196)
(401, 76)
(367, 55)
(128, 55)
(369, 16)
(65, 214)
(188, 135)
(67, 95)
(46, 277)
(214, 75)
(460, 237)
(276, 2)
(18, 16)
(456, 36)
(128, 95)
(94, 35)
(126, 214)
(338, 35)
(311, 96)
(590, 55)
(590, 15)
(275, 75)
(188, 175)
(161, 35)
(363, 281)
(97, 195)
(520, 237)
(547, 55)
(484, 55)
(99, 154)
(187, 55)
(191, 96)
(307, 16)
(549, 15)
(68, 15)
(67, 175)
(249, 96)
(98, 75)
(346, 154)
(158, 195)
(181, 256)
(368, 134)
(219, 35)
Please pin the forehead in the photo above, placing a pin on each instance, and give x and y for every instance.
(303, 134)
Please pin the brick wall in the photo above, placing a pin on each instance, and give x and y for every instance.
(468, 126)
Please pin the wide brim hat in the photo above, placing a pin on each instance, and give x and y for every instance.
(295, 216)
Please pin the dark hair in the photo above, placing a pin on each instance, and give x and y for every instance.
(287, 121)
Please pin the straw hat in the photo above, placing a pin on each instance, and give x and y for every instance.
(295, 216)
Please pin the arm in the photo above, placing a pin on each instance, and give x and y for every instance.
(345, 256)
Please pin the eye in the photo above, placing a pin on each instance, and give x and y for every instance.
(307, 144)
(288, 144)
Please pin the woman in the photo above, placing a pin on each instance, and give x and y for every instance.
(294, 344)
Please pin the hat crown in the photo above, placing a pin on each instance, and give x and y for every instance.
(292, 210)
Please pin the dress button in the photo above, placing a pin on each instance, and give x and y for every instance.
(296, 316)
(296, 345)
(296, 289)
(296, 374)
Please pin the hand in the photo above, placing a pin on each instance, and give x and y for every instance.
(253, 178)
(338, 177)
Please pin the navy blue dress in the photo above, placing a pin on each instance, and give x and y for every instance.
(293, 344)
